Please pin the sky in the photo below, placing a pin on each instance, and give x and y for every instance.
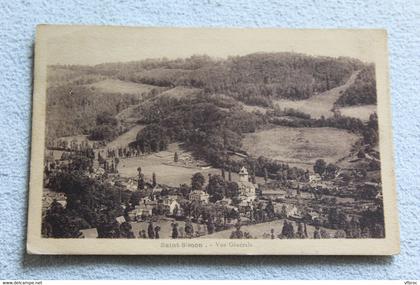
(90, 45)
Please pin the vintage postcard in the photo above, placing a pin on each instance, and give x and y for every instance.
(211, 141)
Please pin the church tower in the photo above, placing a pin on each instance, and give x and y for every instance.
(243, 175)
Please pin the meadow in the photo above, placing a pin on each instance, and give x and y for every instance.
(124, 87)
(361, 112)
(300, 145)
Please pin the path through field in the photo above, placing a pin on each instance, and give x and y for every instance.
(318, 105)
(126, 138)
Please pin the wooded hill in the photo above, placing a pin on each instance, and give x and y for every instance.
(255, 79)
(362, 91)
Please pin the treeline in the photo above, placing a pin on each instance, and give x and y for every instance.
(268, 168)
(362, 91)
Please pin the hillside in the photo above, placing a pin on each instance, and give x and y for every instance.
(320, 104)
(147, 91)
(362, 91)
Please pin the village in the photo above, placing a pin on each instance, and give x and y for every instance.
(213, 204)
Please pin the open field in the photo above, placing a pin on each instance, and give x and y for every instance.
(119, 86)
(360, 112)
(180, 92)
(161, 163)
(258, 230)
(318, 105)
(300, 145)
(252, 109)
(167, 172)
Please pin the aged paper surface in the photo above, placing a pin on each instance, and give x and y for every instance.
(211, 141)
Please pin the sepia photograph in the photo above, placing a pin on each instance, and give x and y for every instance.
(211, 141)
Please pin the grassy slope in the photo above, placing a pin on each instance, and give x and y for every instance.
(318, 105)
(118, 86)
(300, 145)
(361, 112)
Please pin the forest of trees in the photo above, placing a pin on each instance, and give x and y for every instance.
(73, 109)
(362, 91)
(252, 79)
(205, 128)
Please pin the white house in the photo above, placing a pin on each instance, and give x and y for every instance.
(174, 205)
(246, 188)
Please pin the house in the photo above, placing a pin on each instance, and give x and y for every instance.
(247, 189)
(174, 208)
(199, 195)
(313, 215)
(314, 178)
(120, 219)
(142, 210)
(273, 194)
(157, 190)
(293, 212)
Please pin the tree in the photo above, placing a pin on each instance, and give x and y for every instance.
(176, 157)
(283, 213)
(287, 230)
(232, 189)
(216, 188)
(269, 209)
(265, 175)
(60, 223)
(331, 170)
(197, 181)
(237, 234)
(320, 166)
(185, 190)
(324, 234)
(300, 233)
(175, 231)
(154, 179)
(189, 229)
(151, 230)
(340, 234)
(210, 225)
(135, 198)
(126, 230)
